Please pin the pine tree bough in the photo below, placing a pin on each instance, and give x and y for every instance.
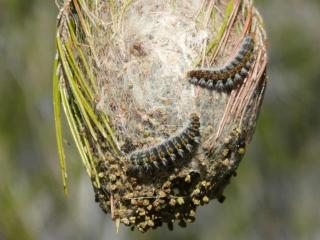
(161, 98)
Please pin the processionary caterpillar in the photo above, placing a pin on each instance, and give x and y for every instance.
(229, 76)
(171, 152)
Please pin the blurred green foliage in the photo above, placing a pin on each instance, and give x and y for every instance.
(275, 195)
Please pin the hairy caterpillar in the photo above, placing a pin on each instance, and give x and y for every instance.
(170, 152)
(229, 76)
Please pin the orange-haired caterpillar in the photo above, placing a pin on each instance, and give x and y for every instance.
(229, 76)
(170, 152)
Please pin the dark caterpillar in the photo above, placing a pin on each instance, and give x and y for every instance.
(171, 152)
(229, 76)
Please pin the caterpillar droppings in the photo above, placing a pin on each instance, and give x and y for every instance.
(229, 76)
(171, 152)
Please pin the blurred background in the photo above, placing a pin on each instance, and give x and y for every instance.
(275, 195)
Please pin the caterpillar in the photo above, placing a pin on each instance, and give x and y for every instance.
(171, 152)
(229, 76)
